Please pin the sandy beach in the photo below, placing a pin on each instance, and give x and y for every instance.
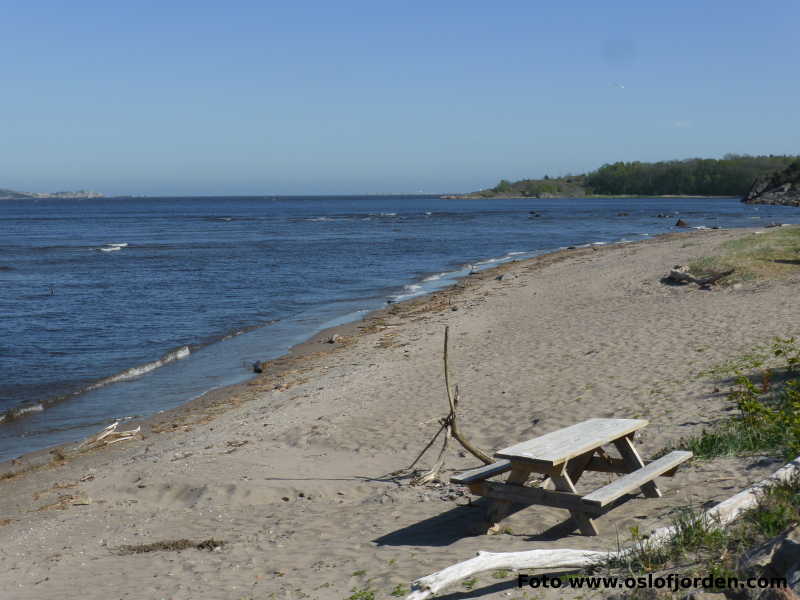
(286, 473)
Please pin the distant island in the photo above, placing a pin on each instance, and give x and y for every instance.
(732, 175)
(13, 195)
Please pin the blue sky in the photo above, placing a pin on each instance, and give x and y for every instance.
(185, 98)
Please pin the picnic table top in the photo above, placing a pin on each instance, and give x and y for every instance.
(559, 446)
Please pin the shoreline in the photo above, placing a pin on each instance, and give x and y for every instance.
(313, 344)
(317, 346)
(586, 197)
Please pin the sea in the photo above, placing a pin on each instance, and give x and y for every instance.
(118, 308)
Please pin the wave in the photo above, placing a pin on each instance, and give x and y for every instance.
(131, 373)
(489, 261)
(134, 372)
(498, 260)
(235, 333)
(113, 247)
(20, 411)
(410, 290)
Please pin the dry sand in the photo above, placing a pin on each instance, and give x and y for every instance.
(286, 469)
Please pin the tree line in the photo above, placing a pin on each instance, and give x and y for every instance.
(731, 175)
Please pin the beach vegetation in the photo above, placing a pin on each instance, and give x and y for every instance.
(765, 390)
(768, 255)
(362, 594)
(702, 547)
(399, 591)
(469, 583)
(501, 574)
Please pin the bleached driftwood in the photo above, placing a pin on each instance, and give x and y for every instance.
(108, 436)
(681, 274)
(724, 512)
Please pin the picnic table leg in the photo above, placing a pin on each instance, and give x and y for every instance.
(563, 483)
(633, 461)
(497, 510)
(575, 467)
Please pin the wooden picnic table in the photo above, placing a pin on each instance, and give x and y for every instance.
(563, 456)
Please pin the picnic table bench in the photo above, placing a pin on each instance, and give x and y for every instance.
(563, 456)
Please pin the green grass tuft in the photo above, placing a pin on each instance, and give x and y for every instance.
(772, 254)
(362, 594)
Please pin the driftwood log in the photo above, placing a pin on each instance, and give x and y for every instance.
(110, 435)
(724, 512)
(681, 274)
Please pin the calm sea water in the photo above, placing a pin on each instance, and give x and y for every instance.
(156, 293)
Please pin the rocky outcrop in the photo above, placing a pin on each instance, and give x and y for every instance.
(779, 557)
(782, 187)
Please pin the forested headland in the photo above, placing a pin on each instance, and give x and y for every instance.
(732, 175)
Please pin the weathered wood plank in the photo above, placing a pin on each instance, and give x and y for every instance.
(559, 446)
(527, 495)
(624, 485)
(634, 462)
(480, 473)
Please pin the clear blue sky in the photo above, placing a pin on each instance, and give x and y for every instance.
(239, 97)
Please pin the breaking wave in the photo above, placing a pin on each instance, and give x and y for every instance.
(131, 373)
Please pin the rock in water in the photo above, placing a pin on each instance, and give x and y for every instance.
(681, 223)
(782, 187)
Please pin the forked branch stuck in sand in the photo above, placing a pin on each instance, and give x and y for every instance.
(449, 425)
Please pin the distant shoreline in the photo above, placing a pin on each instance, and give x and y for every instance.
(585, 197)
(79, 195)
(471, 196)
